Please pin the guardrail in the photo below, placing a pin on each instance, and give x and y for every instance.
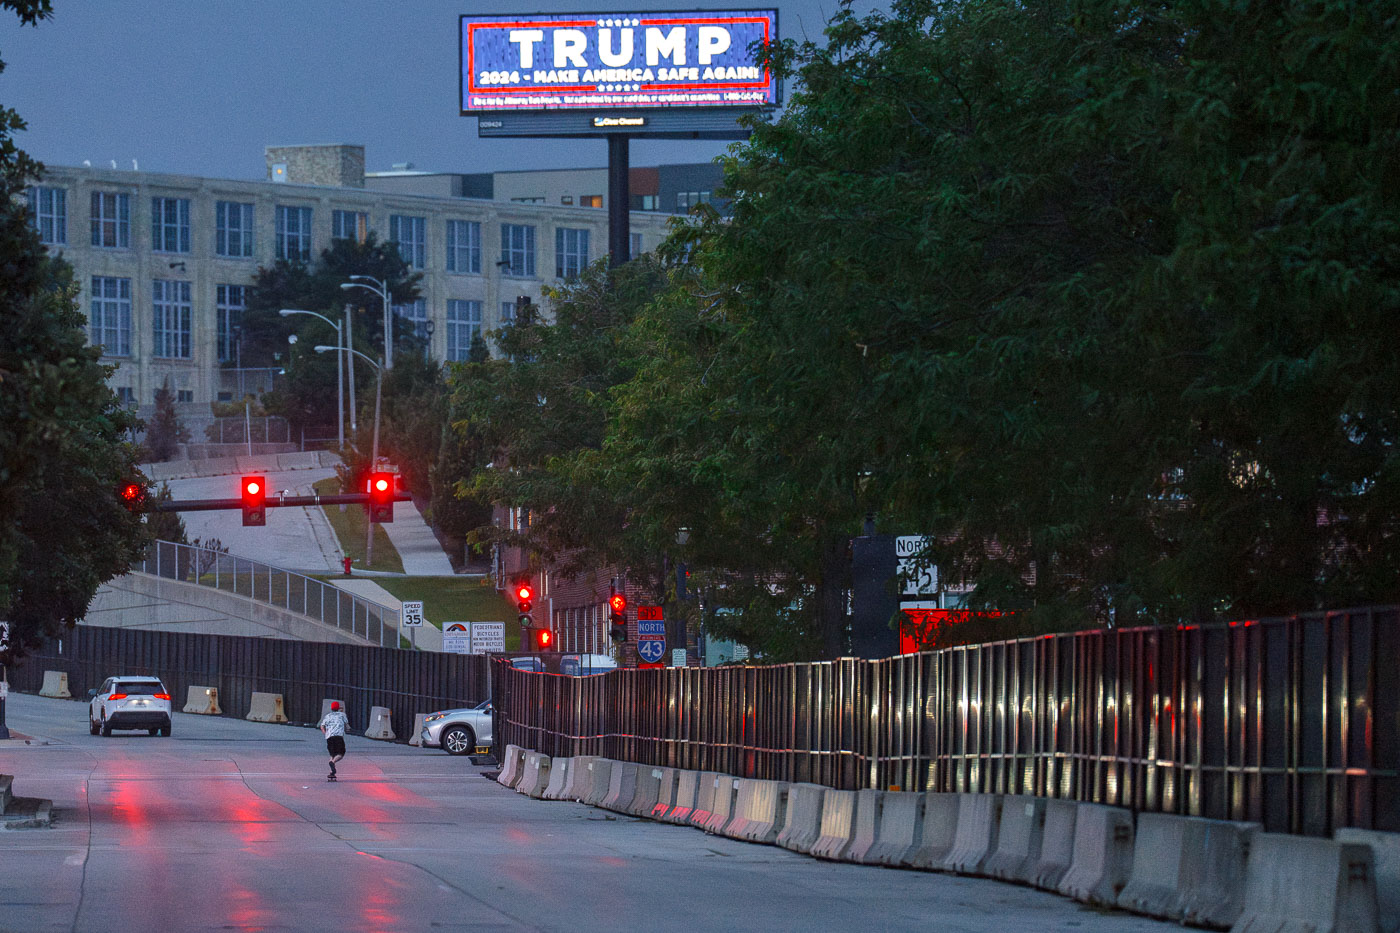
(1293, 723)
(284, 589)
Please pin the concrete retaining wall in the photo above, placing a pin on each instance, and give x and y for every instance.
(1297, 884)
(937, 833)
(803, 825)
(1103, 855)
(1018, 839)
(979, 818)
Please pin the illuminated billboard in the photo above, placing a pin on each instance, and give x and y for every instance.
(616, 61)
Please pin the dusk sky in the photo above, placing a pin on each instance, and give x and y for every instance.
(200, 88)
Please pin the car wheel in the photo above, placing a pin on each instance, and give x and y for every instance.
(154, 730)
(106, 726)
(93, 728)
(165, 730)
(458, 740)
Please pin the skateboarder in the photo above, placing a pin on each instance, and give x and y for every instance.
(333, 726)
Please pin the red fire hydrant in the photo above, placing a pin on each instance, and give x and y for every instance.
(346, 564)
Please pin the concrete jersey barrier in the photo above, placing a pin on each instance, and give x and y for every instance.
(55, 685)
(687, 783)
(1299, 884)
(380, 726)
(535, 778)
(266, 707)
(758, 811)
(803, 825)
(721, 803)
(1056, 844)
(416, 737)
(1103, 855)
(1018, 839)
(870, 806)
(599, 780)
(898, 830)
(512, 766)
(559, 769)
(704, 798)
(622, 786)
(1188, 869)
(665, 793)
(648, 791)
(838, 824)
(1385, 852)
(937, 833)
(979, 819)
(577, 777)
(202, 700)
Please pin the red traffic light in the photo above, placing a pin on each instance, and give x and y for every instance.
(133, 496)
(381, 497)
(618, 602)
(524, 592)
(254, 493)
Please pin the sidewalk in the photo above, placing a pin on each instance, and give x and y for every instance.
(418, 547)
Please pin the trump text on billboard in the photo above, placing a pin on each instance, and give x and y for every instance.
(617, 61)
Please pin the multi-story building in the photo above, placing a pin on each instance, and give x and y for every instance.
(165, 261)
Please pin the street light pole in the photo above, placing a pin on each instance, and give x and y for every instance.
(339, 374)
(374, 450)
(348, 343)
(380, 288)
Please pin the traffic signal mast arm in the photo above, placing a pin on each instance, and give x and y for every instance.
(272, 502)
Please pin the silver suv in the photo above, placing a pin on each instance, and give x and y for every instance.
(458, 731)
(129, 703)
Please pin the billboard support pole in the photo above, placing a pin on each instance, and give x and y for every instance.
(619, 198)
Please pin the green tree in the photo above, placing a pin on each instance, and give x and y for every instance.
(165, 433)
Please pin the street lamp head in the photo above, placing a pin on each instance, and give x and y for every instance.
(322, 348)
(348, 285)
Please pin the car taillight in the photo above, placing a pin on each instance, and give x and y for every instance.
(117, 696)
(162, 696)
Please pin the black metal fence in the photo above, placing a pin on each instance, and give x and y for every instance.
(407, 682)
(1292, 722)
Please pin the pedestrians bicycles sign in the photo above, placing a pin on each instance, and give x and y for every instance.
(413, 614)
(651, 634)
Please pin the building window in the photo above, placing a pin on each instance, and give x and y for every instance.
(171, 322)
(350, 225)
(685, 200)
(111, 220)
(48, 214)
(570, 252)
(184, 395)
(233, 229)
(566, 199)
(416, 314)
(634, 245)
(518, 250)
(528, 200)
(464, 246)
(170, 225)
(463, 324)
(127, 396)
(507, 313)
(650, 202)
(294, 233)
(409, 233)
(230, 301)
(590, 200)
(110, 317)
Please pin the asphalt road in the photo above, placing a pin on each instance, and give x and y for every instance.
(294, 538)
(230, 825)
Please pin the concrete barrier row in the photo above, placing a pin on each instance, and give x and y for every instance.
(1211, 873)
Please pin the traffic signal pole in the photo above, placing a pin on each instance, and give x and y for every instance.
(213, 505)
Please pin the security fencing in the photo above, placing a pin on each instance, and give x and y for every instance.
(305, 673)
(284, 589)
(1291, 722)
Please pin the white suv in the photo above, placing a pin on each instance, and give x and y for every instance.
(129, 703)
